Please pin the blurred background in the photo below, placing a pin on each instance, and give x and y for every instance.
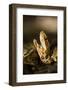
(32, 25)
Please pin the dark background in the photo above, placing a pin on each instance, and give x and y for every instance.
(32, 25)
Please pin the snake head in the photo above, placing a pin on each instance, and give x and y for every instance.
(43, 48)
